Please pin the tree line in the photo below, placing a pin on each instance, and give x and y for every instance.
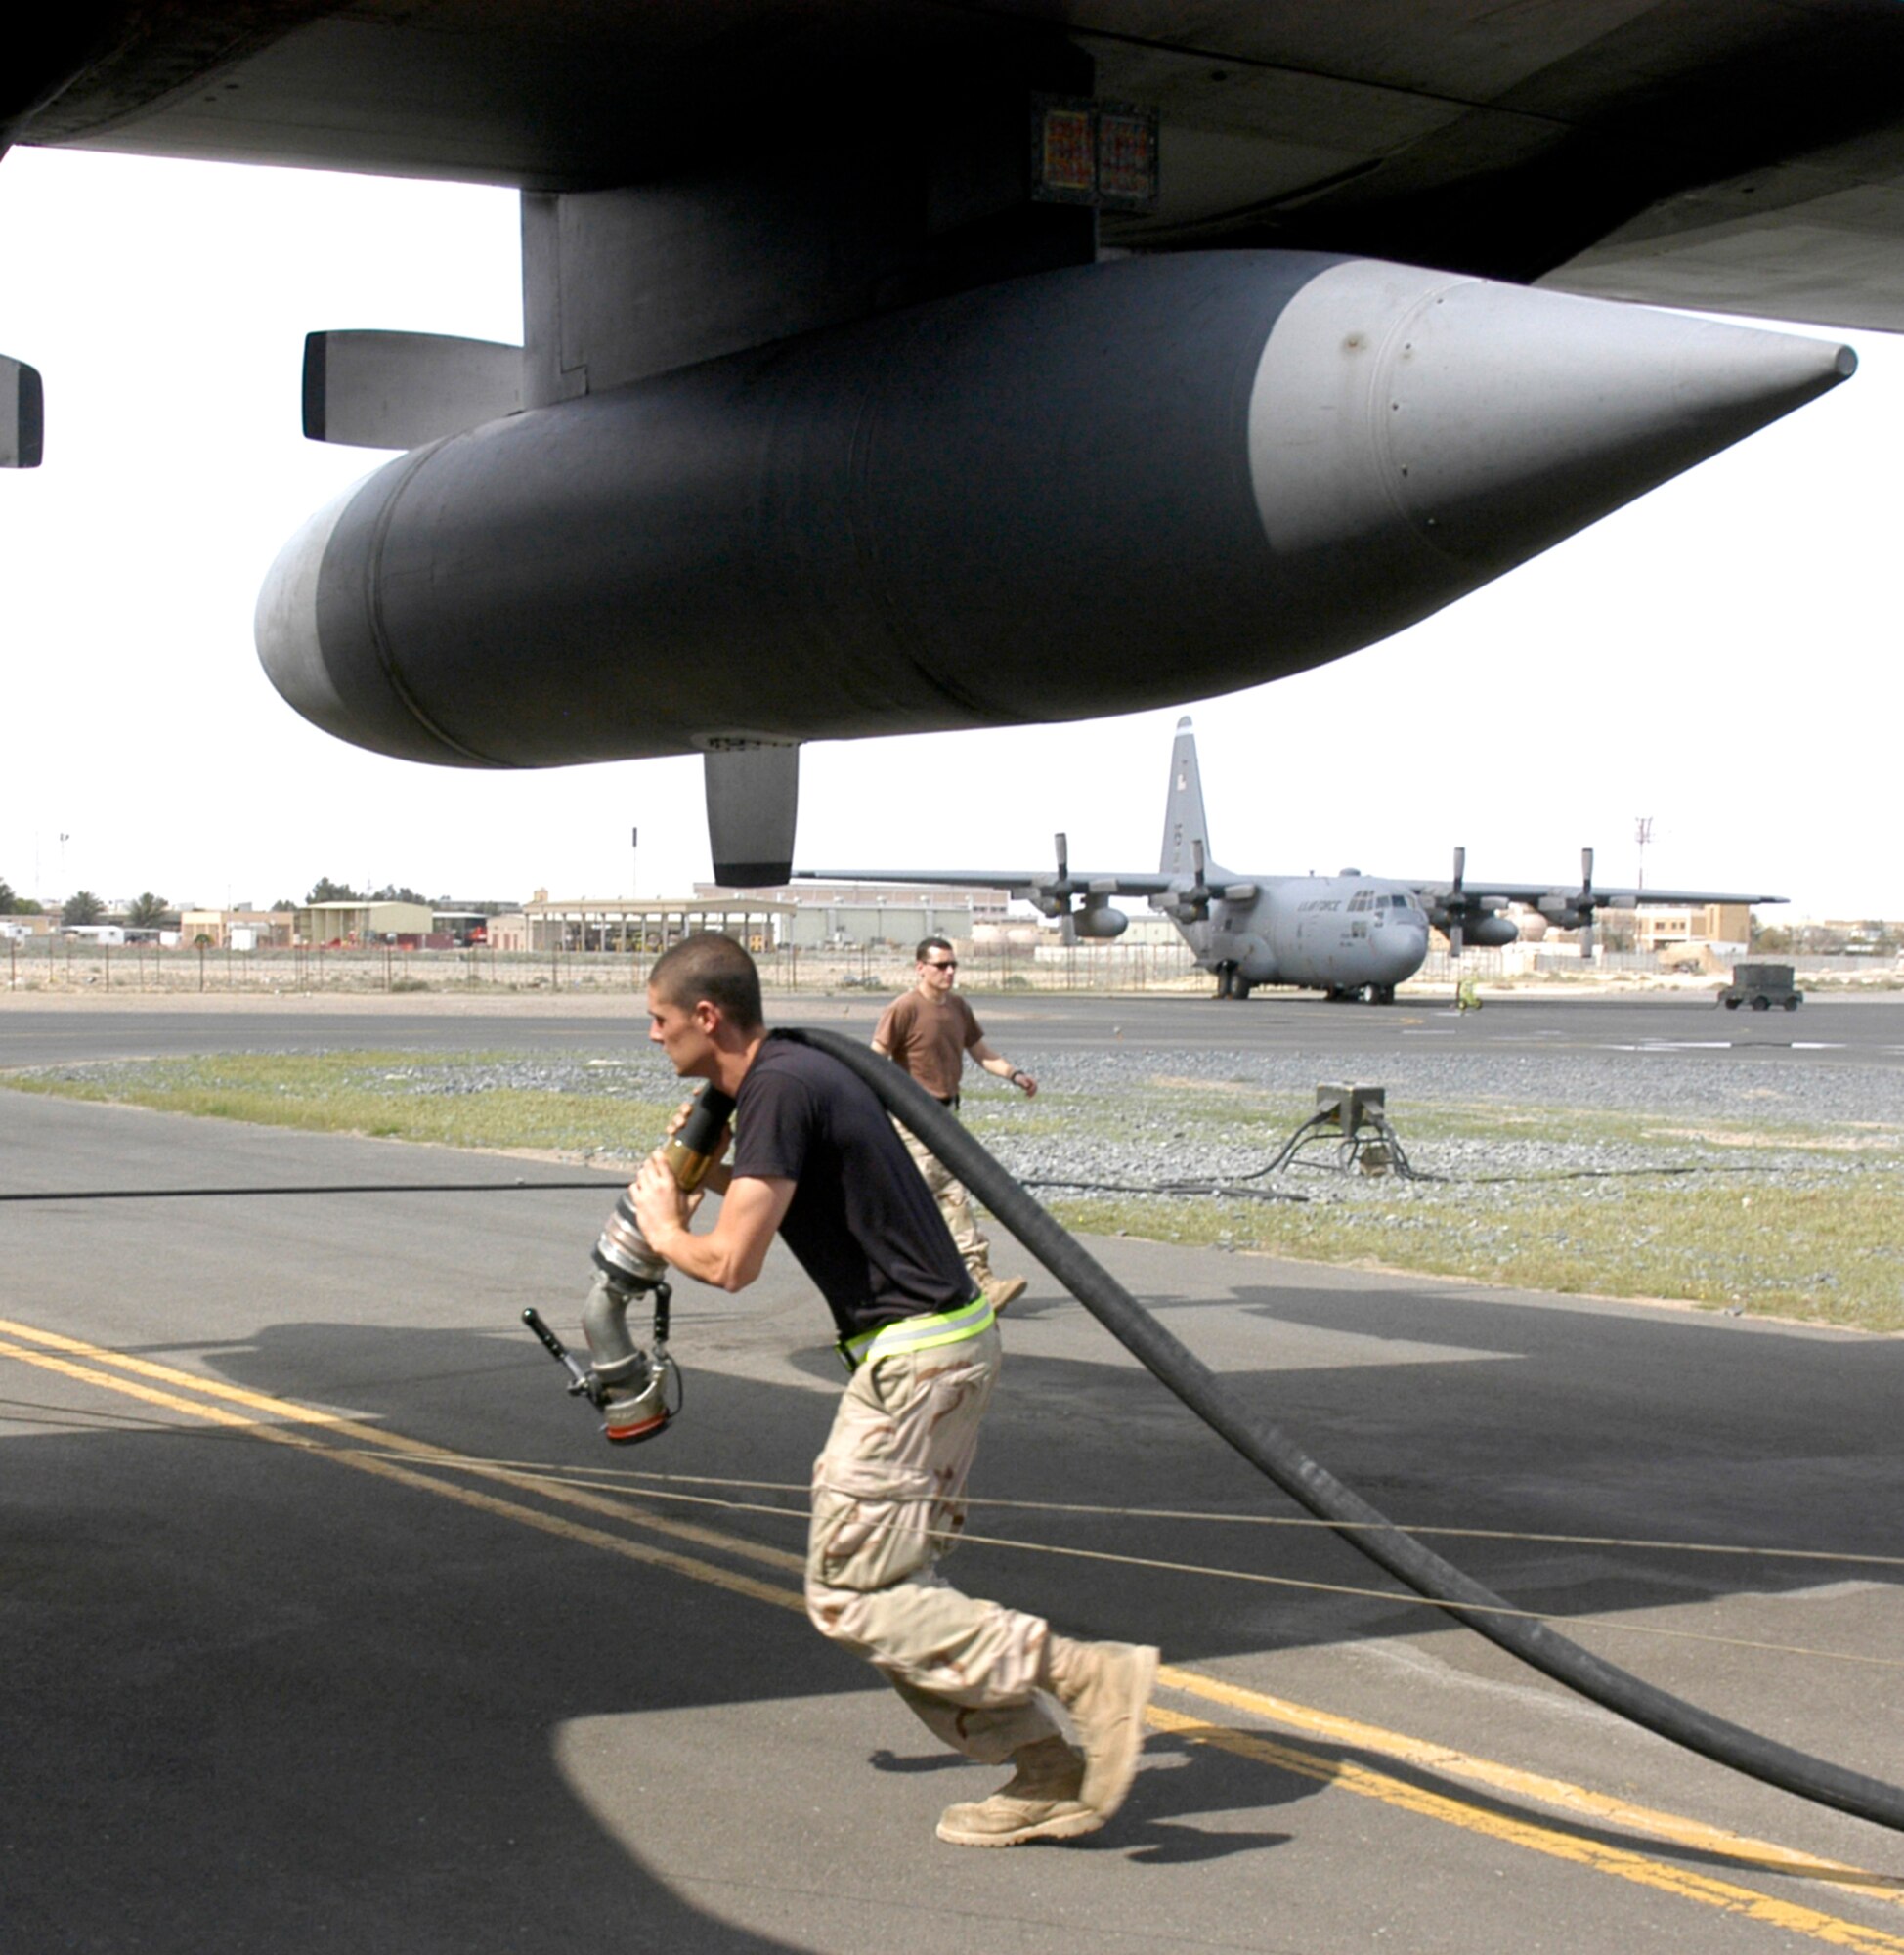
(151, 911)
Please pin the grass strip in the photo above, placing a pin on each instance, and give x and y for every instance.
(1817, 1255)
(457, 1099)
(1813, 1239)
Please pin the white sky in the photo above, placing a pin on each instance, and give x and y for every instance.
(1721, 656)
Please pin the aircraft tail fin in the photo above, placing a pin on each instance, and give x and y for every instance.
(1184, 823)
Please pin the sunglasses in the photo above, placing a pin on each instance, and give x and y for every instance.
(946, 964)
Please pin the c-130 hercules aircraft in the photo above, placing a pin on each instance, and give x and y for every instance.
(895, 366)
(1349, 936)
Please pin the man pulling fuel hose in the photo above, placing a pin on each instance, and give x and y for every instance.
(817, 1160)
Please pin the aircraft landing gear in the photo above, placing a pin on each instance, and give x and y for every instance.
(1231, 982)
(1378, 994)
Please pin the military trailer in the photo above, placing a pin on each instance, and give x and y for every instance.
(1762, 986)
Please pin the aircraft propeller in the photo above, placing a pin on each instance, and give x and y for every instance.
(1053, 897)
(1452, 909)
(1575, 909)
(1193, 903)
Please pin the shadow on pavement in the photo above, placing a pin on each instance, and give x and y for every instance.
(263, 1699)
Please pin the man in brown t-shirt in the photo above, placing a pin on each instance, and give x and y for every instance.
(929, 1032)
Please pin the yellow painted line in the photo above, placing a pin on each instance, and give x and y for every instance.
(1514, 1783)
(621, 1508)
(319, 1429)
(144, 1368)
(388, 1469)
(1576, 1847)
(687, 1565)
(376, 1436)
(196, 1407)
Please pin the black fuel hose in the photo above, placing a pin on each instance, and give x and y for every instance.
(1266, 1446)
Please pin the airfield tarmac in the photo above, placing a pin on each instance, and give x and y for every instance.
(285, 1667)
(36, 1029)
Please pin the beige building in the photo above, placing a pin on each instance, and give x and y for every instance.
(1726, 927)
(838, 915)
(360, 922)
(622, 924)
(238, 930)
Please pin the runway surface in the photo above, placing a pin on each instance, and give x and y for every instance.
(285, 1669)
(1867, 1031)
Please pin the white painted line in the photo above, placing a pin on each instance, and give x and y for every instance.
(1675, 1045)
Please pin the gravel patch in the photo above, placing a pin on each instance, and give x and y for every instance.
(1142, 1138)
(1137, 1117)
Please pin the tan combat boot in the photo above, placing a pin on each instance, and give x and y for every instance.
(1002, 1291)
(1104, 1686)
(1039, 1801)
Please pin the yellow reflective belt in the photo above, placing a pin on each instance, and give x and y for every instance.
(918, 1334)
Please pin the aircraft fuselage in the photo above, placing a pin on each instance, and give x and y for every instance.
(1338, 933)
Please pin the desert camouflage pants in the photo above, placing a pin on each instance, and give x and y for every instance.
(888, 1502)
(954, 1207)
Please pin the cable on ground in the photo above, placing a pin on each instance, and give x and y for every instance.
(517, 1187)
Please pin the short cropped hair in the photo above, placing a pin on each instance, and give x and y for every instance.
(927, 944)
(709, 966)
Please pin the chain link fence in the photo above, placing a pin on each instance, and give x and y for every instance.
(52, 964)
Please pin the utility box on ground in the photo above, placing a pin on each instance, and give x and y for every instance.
(1351, 1108)
(1762, 986)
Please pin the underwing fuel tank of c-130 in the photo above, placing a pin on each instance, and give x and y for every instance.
(1082, 492)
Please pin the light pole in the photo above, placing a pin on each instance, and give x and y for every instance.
(1642, 834)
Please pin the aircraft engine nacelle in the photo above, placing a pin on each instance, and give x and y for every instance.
(1082, 492)
(1562, 915)
(1490, 933)
(1100, 921)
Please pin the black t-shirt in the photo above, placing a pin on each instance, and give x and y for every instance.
(862, 1221)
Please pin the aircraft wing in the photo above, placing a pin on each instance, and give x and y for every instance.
(1033, 884)
(803, 442)
(1632, 899)
(1538, 895)
(1469, 912)
(1745, 157)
